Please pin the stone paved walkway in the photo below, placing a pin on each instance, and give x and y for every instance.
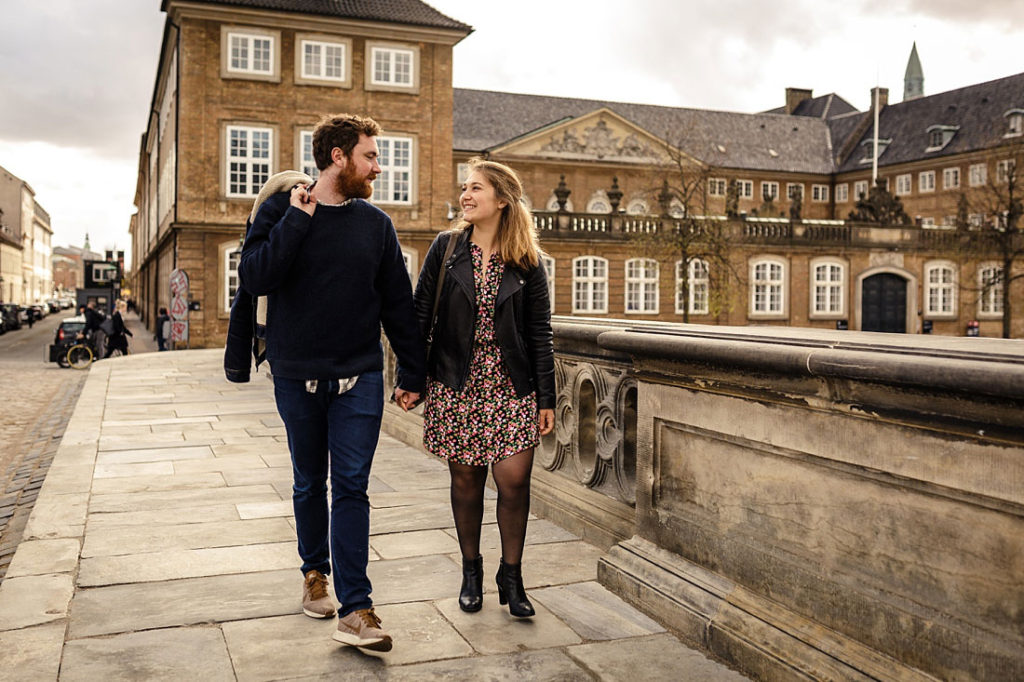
(162, 546)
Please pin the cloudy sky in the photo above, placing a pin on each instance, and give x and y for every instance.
(76, 76)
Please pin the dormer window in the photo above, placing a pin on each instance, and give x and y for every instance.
(1014, 122)
(868, 146)
(939, 136)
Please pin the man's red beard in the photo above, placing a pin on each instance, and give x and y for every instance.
(353, 186)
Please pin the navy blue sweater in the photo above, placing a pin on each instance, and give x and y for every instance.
(331, 281)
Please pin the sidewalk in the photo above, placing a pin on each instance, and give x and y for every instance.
(162, 547)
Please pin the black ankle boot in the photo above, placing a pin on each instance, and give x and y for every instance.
(511, 590)
(471, 598)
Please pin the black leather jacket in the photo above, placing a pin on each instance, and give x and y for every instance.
(522, 321)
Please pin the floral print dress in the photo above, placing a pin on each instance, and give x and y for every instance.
(486, 422)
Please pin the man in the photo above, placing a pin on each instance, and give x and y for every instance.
(93, 320)
(331, 267)
(163, 329)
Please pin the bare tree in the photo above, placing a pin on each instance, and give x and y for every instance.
(702, 244)
(989, 229)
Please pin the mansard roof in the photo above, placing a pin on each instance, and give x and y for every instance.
(484, 120)
(976, 111)
(822, 106)
(412, 12)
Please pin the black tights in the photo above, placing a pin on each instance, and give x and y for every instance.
(512, 476)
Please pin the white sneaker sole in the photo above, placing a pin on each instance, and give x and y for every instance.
(374, 644)
(314, 614)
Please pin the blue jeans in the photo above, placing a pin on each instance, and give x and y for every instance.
(335, 434)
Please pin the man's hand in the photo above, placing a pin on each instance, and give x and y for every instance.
(406, 399)
(301, 199)
(546, 421)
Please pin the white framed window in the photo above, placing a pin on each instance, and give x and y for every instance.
(323, 60)
(926, 181)
(392, 66)
(842, 193)
(950, 178)
(948, 221)
(977, 174)
(976, 220)
(928, 222)
(1003, 169)
(828, 287)
(637, 207)
(769, 190)
(250, 53)
(599, 203)
(395, 158)
(746, 189)
(940, 289)
(307, 164)
(552, 204)
(904, 184)
(860, 190)
(935, 139)
(990, 286)
(589, 285)
(249, 156)
(698, 286)
(767, 287)
(461, 173)
(819, 193)
(1014, 123)
(716, 187)
(549, 270)
(642, 286)
(794, 190)
(229, 254)
(676, 209)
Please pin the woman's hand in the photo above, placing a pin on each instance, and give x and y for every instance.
(546, 421)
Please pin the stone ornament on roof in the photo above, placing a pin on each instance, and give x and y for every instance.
(599, 142)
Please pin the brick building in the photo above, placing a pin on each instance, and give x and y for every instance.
(240, 86)
(242, 82)
(25, 236)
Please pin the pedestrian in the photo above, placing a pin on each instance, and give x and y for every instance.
(93, 320)
(163, 329)
(117, 340)
(491, 387)
(30, 315)
(331, 267)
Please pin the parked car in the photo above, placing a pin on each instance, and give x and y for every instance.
(65, 337)
(54, 305)
(11, 315)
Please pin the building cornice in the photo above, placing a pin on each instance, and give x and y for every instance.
(177, 11)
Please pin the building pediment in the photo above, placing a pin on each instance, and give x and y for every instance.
(600, 135)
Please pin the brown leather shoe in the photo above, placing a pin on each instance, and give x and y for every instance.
(316, 603)
(362, 629)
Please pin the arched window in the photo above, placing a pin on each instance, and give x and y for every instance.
(598, 203)
(828, 287)
(589, 285)
(940, 289)
(637, 207)
(642, 286)
(767, 287)
(552, 204)
(697, 286)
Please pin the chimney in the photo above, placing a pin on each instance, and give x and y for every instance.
(883, 98)
(794, 96)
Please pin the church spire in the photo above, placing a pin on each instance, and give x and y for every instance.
(86, 245)
(913, 79)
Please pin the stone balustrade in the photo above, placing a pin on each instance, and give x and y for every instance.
(799, 503)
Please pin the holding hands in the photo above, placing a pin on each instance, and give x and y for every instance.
(407, 400)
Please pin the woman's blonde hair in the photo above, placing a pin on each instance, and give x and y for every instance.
(517, 237)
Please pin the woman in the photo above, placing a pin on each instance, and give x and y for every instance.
(118, 340)
(491, 393)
